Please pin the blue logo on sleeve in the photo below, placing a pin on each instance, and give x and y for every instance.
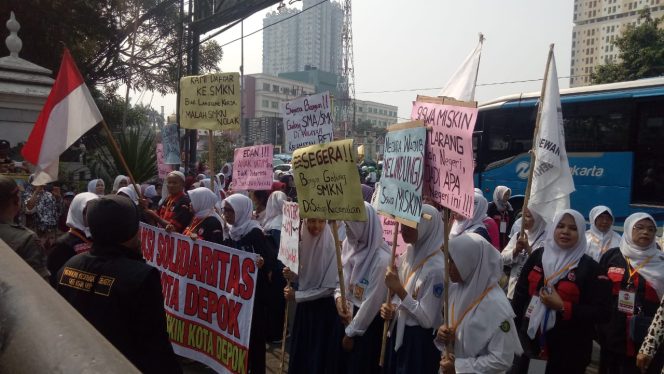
(438, 290)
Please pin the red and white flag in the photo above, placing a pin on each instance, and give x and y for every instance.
(69, 112)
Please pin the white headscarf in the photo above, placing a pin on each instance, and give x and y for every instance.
(498, 195)
(164, 188)
(599, 242)
(535, 234)
(363, 242)
(117, 181)
(150, 191)
(479, 214)
(653, 271)
(202, 202)
(130, 191)
(75, 217)
(316, 257)
(92, 185)
(273, 211)
(243, 208)
(480, 267)
(217, 186)
(554, 259)
(430, 238)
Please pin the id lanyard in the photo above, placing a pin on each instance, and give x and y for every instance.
(472, 305)
(636, 270)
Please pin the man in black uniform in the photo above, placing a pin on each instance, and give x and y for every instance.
(116, 291)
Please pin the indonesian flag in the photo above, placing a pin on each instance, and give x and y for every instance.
(462, 84)
(69, 112)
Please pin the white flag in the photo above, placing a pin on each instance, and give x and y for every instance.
(462, 84)
(552, 180)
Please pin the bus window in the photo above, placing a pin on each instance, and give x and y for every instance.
(649, 156)
(507, 132)
(596, 127)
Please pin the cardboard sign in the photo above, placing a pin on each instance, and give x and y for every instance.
(388, 233)
(403, 173)
(290, 237)
(252, 168)
(208, 313)
(170, 138)
(162, 167)
(328, 183)
(307, 120)
(448, 175)
(210, 102)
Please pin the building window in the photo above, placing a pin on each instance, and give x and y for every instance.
(275, 88)
(265, 104)
(275, 105)
(266, 86)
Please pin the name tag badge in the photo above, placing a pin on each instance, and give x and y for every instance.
(503, 227)
(534, 301)
(626, 301)
(358, 290)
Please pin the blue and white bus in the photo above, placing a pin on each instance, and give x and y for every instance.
(614, 135)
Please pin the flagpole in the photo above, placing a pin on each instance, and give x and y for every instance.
(531, 170)
(122, 160)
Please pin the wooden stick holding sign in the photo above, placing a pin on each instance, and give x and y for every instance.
(122, 160)
(340, 267)
(211, 159)
(386, 323)
(449, 347)
(283, 334)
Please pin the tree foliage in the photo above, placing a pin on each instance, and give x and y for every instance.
(641, 52)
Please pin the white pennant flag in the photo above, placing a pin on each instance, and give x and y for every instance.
(552, 180)
(462, 84)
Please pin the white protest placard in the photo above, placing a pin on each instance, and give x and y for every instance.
(208, 313)
(170, 138)
(307, 121)
(252, 168)
(210, 102)
(290, 236)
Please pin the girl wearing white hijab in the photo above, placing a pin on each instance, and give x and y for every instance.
(475, 224)
(130, 192)
(364, 256)
(419, 300)
(76, 240)
(481, 318)
(119, 182)
(245, 234)
(311, 348)
(559, 297)
(636, 270)
(274, 215)
(502, 212)
(601, 237)
(518, 249)
(96, 186)
(206, 224)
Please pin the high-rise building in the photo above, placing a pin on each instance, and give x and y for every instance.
(597, 23)
(311, 38)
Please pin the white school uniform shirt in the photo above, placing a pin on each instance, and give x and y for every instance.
(518, 262)
(595, 248)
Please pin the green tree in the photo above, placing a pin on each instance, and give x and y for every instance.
(641, 52)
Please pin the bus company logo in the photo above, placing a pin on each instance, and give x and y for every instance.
(522, 169)
(586, 172)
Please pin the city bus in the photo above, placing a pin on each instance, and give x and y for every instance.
(614, 136)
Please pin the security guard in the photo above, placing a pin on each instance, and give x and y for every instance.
(116, 291)
(19, 238)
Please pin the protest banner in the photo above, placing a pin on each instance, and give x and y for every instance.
(170, 138)
(327, 182)
(290, 236)
(388, 225)
(403, 173)
(252, 168)
(448, 168)
(162, 168)
(307, 121)
(210, 102)
(208, 297)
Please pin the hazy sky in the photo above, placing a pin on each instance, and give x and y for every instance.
(417, 44)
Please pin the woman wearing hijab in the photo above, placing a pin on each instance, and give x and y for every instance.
(174, 213)
(419, 300)
(502, 212)
(560, 295)
(475, 224)
(636, 270)
(274, 216)
(311, 349)
(482, 320)
(97, 186)
(259, 198)
(601, 237)
(119, 182)
(206, 224)
(364, 256)
(519, 248)
(76, 240)
(245, 234)
(130, 192)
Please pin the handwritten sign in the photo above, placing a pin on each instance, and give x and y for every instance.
(170, 138)
(307, 120)
(162, 167)
(448, 175)
(252, 168)
(327, 182)
(208, 313)
(290, 236)
(403, 172)
(210, 102)
(388, 233)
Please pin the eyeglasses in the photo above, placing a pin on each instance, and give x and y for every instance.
(648, 229)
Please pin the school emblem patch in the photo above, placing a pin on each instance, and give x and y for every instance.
(505, 326)
(438, 290)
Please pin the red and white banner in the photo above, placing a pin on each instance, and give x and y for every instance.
(208, 297)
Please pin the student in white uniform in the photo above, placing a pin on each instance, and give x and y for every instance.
(600, 236)
(365, 256)
(481, 318)
(418, 301)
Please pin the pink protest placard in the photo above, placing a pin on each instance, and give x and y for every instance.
(448, 168)
(252, 168)
(290, 237)
(162, 168)
(388, 233)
